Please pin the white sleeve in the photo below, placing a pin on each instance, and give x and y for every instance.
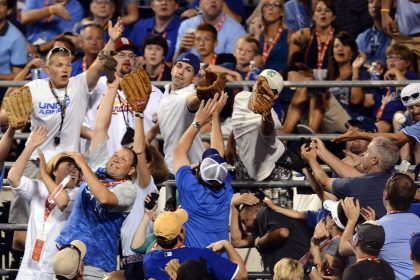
(27, 188)
(126, 194)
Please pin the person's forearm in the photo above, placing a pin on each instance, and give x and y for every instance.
(316, 253)
(267, 125)
(341, 168)
(294, 214)
(235, 258)
(62, 199)
(140, 234)
(314, 184)
(7, 77)
(6, 143)
(101, 193)
(152, 133)
(217, 141)
(386, 4)
(16, 172)
(186, 140)
(273, 238)
(193, 103)
(34, 16)
(320, 175)
(139, 147)
(344, 247)
(103, 117)
(238, 238)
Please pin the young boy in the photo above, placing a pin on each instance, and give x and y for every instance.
(386, 101)
(155, 50)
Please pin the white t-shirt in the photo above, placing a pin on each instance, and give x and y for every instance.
(47, 112)
(174, 118)
(120, 111)
(133, 219)
(258, 153)
(36, 193)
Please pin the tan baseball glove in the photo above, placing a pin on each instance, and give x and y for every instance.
(171, 268)
(262, 99)
(210, 84)
(18, 105)
(109, 62)
(137, 88)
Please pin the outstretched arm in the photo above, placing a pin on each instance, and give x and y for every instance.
(37, 137)
(217, 141)
(95, 70)
(232, 255)
(240, 239)
(202, 117)
(139, 148)
(352, 211)
(399, 138)
(103, 117)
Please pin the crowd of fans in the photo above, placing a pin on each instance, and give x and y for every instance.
(99, 160)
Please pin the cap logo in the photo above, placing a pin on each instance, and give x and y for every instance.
(125, 41)
(271, 73)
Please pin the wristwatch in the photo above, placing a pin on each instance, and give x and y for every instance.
(197, 124)
(139, 115)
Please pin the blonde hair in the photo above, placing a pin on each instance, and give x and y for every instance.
(288, 269)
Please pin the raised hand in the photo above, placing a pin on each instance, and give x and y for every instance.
(37, 137)
(359, 61)
(115, 32)
(351, 134)
(60, 10)
(368, 213)
(351, 209)
(206, 110)
(245, 198)
(220, 103)
(78, 158)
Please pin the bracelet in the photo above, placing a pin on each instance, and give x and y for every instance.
(196, 124)
(51, 10)
(139, 115)
(385, 10)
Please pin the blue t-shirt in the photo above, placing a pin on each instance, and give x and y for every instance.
(208, 211)
(368, 189)
(398, 229)
(376, 49)
(277, 58)
(145, 27)
(95, 225)
(221, 268)
(297, 15)
(413, 131)
(50, 27)
(13, 50)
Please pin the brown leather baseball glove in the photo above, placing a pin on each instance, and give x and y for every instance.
(262, 99)
(137, 88)
(210, 84)
(18, 105)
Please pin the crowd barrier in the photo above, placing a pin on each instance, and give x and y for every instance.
(243, 183)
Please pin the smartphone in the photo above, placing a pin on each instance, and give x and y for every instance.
(153, 199)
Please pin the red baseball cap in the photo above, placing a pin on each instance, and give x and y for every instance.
(126, 44)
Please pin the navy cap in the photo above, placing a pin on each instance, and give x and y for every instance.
(190, 59)
(363, 123)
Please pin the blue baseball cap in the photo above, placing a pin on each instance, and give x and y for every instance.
(415, 245)
(190, 59)
(363, 123)
(213, 167)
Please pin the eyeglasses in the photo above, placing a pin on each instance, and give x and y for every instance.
(124, 55)
(414, 96)
(272, 6)
(394, 57)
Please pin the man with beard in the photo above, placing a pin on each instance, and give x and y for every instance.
(165, 23)
(122, 122)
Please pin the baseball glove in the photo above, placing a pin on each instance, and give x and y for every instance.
(171, 268)
(209, 85)
(18, 107)
(109, 62)
(137, 89)
(262, 98)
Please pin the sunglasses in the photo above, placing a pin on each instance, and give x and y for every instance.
(413, 96)
(59, 49)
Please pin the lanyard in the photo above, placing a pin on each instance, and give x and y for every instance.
(84, 64)
(162, 69)
(269, 45)
(213, 59)
(122, 109)
(48, 208)
(162, 34)
(322, 47)
(111, 183)
(393, 212)
(63, 107)
(155, 247)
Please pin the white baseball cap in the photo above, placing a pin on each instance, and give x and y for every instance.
(410, 94)
(274, 79)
